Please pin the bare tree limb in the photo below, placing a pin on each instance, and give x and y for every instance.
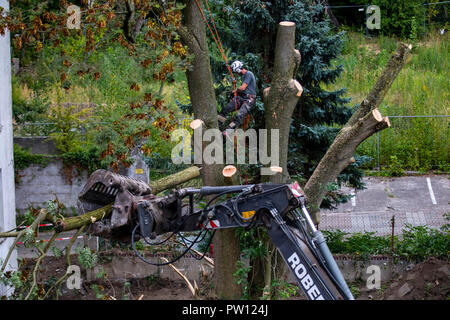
(366, 121)
(68, 249)
(190, 286)
(38, 263)
(42, 215)
(174, 179)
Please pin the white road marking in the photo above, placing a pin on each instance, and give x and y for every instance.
(353, 198)
(433, 199)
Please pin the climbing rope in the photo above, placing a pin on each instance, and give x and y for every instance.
(218, 42)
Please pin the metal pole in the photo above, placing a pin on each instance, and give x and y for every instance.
(365, 22)
(378, 151)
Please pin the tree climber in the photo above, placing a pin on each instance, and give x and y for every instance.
(246, 96)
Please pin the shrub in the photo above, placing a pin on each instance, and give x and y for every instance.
(403, 18)
(415, 243)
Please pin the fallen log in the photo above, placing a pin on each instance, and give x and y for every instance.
(72, 223)
(174, 179)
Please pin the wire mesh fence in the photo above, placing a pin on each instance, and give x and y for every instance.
(46, 129)
(435, 15)
(412, 142)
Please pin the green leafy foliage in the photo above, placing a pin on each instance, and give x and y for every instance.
(84, 157)
(57, 253)
(241, 278)
(117, 74)
(99, 291)
(415, 243)
(27, 108)
(86, 257)
(283, 290)
(29, 238)
(24, 158)
(395, 167)
(403, 18)
(420, 242)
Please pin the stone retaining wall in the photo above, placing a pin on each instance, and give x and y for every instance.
(39, 184)
(127, 265)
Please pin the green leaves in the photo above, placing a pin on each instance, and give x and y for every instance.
(29, 238)
(415, 243)
(87, 258)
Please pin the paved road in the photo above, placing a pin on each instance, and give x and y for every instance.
(416, 200)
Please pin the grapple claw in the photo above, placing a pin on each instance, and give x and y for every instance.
(105, 187)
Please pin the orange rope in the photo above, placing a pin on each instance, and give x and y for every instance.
(219, 45)
(218, 42)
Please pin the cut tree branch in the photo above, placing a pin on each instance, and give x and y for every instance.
(38, 263)
(41, 217)
(104, 212)
(384, 82)
(366, 121)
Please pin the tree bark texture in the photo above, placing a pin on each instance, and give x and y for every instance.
(280, 100)
(366, 121)
(174, 179)
(282, 96)
(200, 83)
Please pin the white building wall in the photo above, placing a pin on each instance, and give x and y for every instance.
(7, 196)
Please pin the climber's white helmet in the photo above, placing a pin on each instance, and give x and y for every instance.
(236, 66)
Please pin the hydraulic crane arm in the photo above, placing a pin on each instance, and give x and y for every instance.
(280, 208)
(273, 206)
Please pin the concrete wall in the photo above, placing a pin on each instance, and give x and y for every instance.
(7, 198)
(39, 184)
(126, 265)
(37, 145)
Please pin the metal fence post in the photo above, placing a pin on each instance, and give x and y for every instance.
(378, 151)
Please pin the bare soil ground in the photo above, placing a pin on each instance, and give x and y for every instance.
(429, 280)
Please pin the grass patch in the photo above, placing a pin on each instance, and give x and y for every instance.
(421, 89)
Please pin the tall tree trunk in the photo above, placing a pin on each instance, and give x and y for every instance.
(282, 96)
(366, 121)
(201, 90)
(279, 103)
